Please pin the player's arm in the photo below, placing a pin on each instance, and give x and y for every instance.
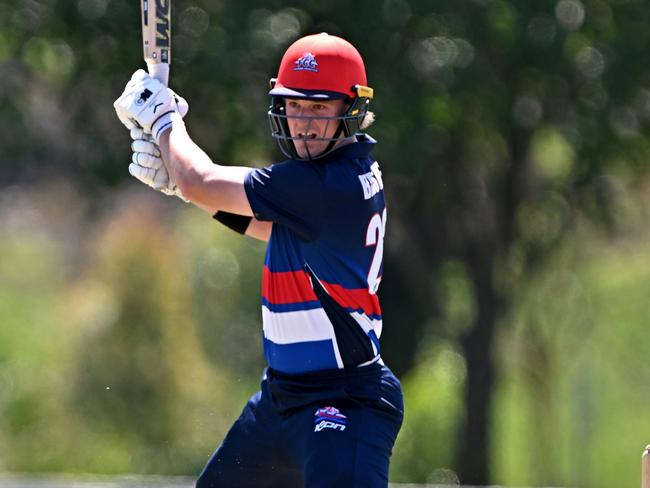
(217, 189)
(210, 186)
(242, 224)
(148, 104)
(259, 229)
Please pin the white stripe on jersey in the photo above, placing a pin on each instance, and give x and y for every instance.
(300, 326)
(368, 324)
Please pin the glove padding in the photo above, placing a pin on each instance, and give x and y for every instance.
(148, 104)
(147, 164)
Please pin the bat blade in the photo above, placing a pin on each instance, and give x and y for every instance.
(645, 468)
(156, 37)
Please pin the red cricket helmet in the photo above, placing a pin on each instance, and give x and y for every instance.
(320, 67)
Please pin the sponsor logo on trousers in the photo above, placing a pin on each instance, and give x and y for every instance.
(327, 424)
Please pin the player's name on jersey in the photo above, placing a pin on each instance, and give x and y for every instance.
(371, 181)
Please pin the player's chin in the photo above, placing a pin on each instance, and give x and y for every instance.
(309, 150)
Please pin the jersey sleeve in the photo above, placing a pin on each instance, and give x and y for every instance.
(290, 194)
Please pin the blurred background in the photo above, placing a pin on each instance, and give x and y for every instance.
(514, 147)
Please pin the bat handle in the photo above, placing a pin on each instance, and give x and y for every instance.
(159, 71)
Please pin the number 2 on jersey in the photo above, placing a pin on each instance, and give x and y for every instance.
(375, 237)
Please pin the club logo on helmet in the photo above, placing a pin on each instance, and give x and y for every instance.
(307, 63)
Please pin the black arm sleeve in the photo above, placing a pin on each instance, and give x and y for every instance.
(238, 223)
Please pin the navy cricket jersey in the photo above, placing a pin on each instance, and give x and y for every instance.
(323, 262)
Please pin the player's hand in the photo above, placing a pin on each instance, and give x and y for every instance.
(148, 104)
(147, 164)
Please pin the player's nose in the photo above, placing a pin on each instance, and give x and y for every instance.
(302, 124)
(309, 128)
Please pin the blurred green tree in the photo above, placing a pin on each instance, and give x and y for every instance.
(502, 122)
(142, 370)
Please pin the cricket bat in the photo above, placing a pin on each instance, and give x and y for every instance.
(156, 37)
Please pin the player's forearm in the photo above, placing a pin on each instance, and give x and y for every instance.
(259, 230)
(188, 165)
(210, 186)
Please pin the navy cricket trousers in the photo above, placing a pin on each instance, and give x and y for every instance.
(331, 429)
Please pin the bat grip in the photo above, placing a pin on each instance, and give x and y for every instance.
(159, 71)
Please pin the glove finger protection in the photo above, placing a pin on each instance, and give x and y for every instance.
(156, 178)
(144, 146)
(147, 160)
(138, 133)
(145, 175)
(149, 169)
(147, 164)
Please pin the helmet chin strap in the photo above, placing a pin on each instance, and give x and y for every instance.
(335, 138)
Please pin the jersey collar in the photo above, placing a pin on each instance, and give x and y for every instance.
(355, 150)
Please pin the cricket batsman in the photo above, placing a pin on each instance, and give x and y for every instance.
(328, 410)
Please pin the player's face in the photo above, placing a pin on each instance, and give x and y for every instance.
(309, 132)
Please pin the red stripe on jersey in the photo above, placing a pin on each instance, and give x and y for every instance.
(354, 298)
(287, 287)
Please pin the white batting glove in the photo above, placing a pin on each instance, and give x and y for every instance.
(148, 104)
(147, 164)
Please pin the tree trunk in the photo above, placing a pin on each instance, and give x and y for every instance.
(489, 239)
(474, 443)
